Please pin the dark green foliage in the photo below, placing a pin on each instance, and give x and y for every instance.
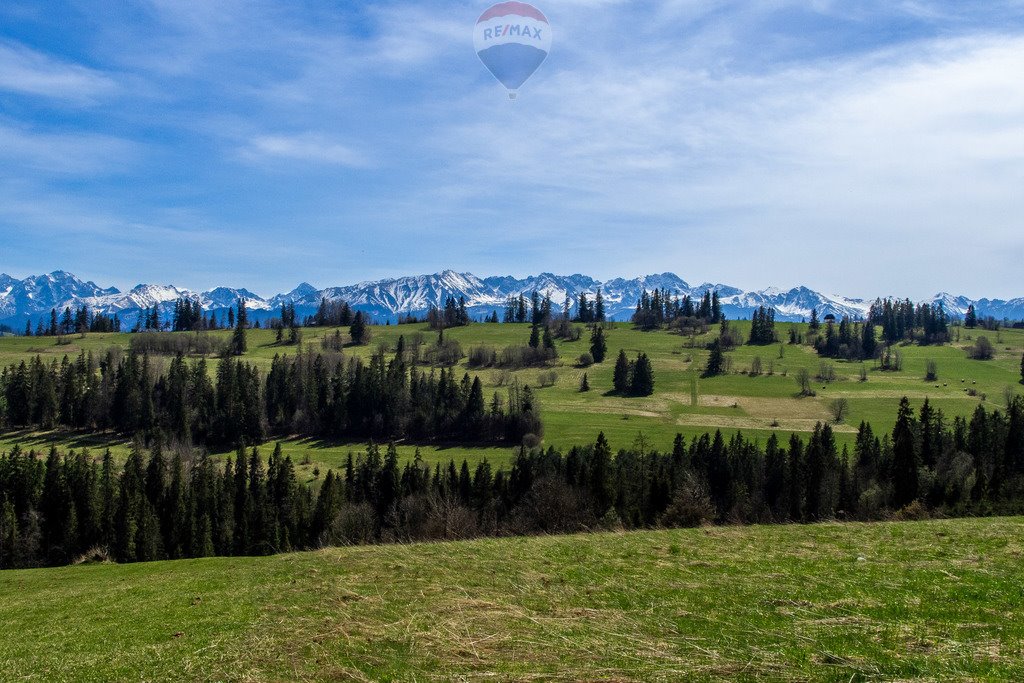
(762, 327)
(599, 346)
(620, 377)
(716, 360)
(971, 318)
(55, 509)
(358, 331)
(904, 457)
(642, 376)
(238, 342)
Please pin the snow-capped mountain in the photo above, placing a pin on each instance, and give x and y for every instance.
(33, 297)
(43, 292)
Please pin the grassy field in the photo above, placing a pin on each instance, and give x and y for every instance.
(926, 601)
(683, 401)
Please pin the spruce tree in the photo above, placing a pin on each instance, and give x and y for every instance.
(905, 479)
(238, 342)
(534, 337)
(620, 377)
(599, 346)
(642, 381)
(599, 316)
(358, 329)
(971, 318)
(584, 384)
(716, 360)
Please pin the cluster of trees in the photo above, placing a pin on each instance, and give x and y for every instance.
(79, 321)
(188, 317)
(56, 508)
(972, 320)
(903, 321)
(659, 308)
(762, 327)
(310, 393)
(633, 378)
(452, 315)
(850, 340)
(587, 312)
(307, 393)
(331, 314)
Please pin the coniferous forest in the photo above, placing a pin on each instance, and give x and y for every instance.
(175, 502)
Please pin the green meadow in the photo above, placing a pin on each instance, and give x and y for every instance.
(918, 601)
(683, 402)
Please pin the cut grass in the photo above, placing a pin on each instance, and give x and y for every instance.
(937, 600)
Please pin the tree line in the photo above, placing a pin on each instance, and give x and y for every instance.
(79, 321)
(181, 503)
(656, 309)
(314, 393)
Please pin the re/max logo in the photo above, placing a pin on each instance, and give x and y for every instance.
(512, 30)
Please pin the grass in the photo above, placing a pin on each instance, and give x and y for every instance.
(927, 601)
(683, 401)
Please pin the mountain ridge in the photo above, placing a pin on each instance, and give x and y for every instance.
(32, 298)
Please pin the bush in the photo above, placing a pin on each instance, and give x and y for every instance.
(446, 353)
(585, 360)
(839, 408)
(482, 357)
(173, 343)
(982, 349)
(548, 378)
(931, 371)
(690, 507)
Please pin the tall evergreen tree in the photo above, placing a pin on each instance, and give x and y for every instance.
(599, 346)
(620, 376)
(905, 477)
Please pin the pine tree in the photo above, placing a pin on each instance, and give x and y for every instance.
(905, 479)
(238, 342)
(814, 324)
(599, 346)
(642, 381)
(584, 384)
(601, 484)
(358, 329)
(716, 360)
(549, 342)
(599, 315)
(971, 318)
(534, 337)
(620, 377)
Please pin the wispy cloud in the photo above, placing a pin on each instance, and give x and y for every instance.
(307, 147)
(73, 153)
(28, 71)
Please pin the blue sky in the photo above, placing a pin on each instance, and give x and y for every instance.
(859, 148)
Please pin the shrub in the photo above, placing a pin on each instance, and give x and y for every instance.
(691, 506)
(982, 349)
(548, 378)
(839, 408)
(585, 360)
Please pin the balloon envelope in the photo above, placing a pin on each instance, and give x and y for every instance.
(512, 39)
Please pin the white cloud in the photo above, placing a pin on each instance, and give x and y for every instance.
(64, 153)
(309, 147)
(27, 71)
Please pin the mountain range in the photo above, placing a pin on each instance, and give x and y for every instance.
(33, 297)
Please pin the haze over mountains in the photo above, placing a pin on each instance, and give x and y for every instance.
(33, 297)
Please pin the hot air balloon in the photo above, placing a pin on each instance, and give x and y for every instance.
(512, 39)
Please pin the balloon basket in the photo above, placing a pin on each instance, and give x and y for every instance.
(513, 95)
